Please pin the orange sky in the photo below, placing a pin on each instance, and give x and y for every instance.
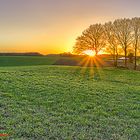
(51, 26)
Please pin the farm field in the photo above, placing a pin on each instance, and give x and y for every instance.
(66, 102)
(39, 60)
(26, 60)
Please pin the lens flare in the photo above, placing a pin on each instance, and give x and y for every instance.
(89, 53)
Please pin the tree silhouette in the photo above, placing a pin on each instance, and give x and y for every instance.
(136, 37)
(112, 42)
(123, 32)
(91, 39)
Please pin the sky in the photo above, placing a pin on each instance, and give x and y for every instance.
(51, 26)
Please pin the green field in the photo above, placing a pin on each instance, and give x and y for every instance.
(58, 102)
(27, 60)
(38, 60)
(34, 60)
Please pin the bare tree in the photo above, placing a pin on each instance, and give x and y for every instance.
(136, 37)
(123, 33)
(91, 39)
(112, 42)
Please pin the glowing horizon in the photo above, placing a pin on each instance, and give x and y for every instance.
(51, 26)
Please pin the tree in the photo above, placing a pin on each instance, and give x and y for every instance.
(91, 39)
(112, 42)
(123, 32)
(136, 37)
(130, 56)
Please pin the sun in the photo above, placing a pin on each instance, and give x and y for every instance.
(89, 53)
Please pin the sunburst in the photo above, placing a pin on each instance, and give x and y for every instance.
(90, 53)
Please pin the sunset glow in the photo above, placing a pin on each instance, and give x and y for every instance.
(89, 53)
(51, 26)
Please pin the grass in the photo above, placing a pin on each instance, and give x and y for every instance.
(33, 60)
(27, 60)
(41, 60)
(53, 102)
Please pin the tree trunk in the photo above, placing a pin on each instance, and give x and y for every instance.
(116, 59)
(125, 51)
(135, 66)
(96, 52)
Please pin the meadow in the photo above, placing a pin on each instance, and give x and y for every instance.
(40, 60)
(27, 60)
(69, 102)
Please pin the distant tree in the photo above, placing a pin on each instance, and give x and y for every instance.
(66, 54)
(112, 42)
(91, 39)
(123, 33)
(136, 37)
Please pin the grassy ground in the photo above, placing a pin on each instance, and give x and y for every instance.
(42, 60)
(27, 60)
(52, 102)
(59, 60)
(33, 60)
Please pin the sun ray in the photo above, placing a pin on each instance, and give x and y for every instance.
(85, 65)
(90, 53)
(91, 67)
(98, 67)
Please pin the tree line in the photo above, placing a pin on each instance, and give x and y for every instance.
(115, 37)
